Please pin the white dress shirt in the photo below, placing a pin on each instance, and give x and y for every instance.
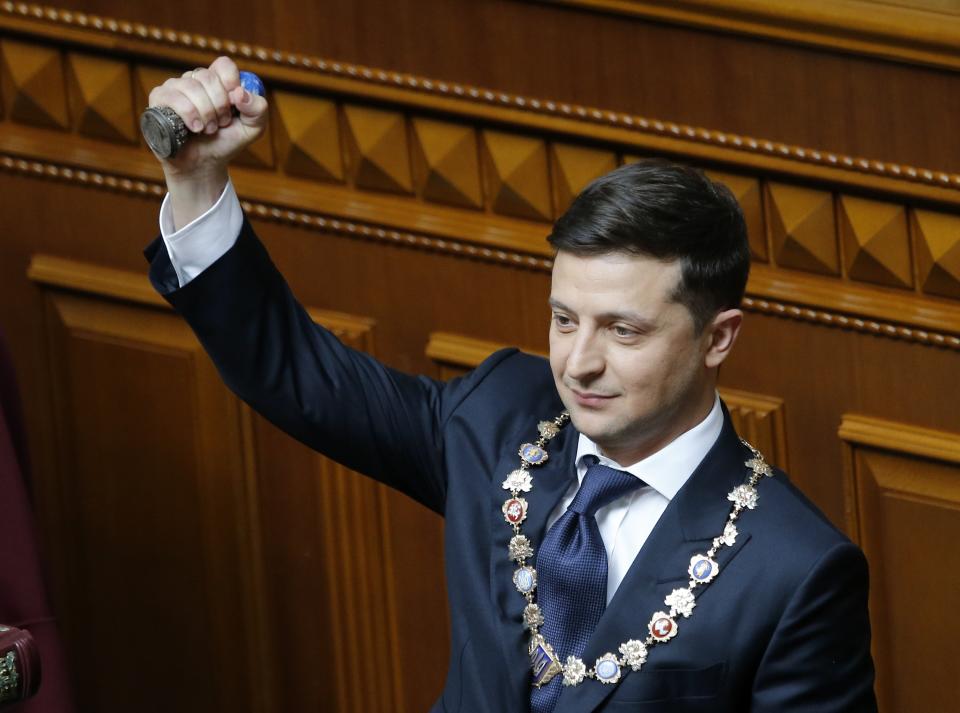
(199, 244)
(624, 524)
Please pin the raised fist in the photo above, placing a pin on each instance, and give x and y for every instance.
(223, 117)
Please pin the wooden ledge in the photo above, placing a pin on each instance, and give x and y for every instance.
(905, 34)
(900, 438)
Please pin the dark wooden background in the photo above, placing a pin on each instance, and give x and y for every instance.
(417, 153)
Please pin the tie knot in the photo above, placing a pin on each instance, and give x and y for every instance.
(602, 485)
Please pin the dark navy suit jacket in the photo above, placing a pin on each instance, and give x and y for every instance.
(783, 628)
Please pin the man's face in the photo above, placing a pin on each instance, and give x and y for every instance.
(626, 361)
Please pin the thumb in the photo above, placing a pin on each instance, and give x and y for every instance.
(251, 107)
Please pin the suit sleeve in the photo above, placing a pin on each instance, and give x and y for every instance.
(338, 401)
(818, 659)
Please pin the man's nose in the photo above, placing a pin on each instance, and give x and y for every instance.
(585, 361)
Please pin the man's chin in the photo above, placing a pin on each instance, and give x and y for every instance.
(597, 427)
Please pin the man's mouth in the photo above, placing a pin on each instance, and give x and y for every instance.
(590, 398)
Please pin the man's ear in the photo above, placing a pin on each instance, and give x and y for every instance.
(721, 334)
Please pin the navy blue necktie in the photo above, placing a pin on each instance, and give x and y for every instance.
(572, 572)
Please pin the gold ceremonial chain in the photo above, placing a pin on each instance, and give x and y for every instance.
(663, 626)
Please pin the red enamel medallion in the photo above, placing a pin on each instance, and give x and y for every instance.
(662, 627)
(515, 510)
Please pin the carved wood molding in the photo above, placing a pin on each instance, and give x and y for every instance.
(874, 29)
(859, 308)
(463, 351)
(398, 175)
(902, 438)
(642, 134)
(93, 279)
(331, 208)
(812, 301)
(126, 286)
(854, 324)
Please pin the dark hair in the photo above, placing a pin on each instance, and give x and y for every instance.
(670, 212)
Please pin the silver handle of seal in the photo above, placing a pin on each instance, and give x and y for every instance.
(164, 130)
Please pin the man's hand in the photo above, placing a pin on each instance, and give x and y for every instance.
(205, 99)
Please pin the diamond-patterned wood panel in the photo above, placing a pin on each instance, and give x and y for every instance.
(802, 228)
(145, 78)
(259, 154)
(876, 242)
(517, 175)
(307, 136)
(467, 163)
(447, 162)
(938, 252)
(33, 87)
(379, 154)
(748, 193)
(572, 168)
(101, 97)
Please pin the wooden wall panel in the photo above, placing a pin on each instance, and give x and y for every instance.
(290, 554)
(333, 587)
(904, 487)
(148, 503)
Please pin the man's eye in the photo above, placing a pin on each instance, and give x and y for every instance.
(622, 331)
(562, 320)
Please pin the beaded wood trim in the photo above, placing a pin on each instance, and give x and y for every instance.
(364, 231)
(547, 107)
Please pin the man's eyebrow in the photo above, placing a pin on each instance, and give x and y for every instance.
(635, 318)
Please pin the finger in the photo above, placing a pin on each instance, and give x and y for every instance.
(217, 94)
(228, 72)
(196, 92)
(169, 94)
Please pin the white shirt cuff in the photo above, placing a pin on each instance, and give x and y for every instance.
(200, 243)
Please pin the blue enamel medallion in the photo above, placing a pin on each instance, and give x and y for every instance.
(703, 569)
(525, 579)
(607, 671)
(532, 453)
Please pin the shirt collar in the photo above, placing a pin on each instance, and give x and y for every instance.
(669, 468)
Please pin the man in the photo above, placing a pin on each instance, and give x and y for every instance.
(611, 544)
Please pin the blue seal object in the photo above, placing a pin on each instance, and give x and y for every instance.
(252, 83)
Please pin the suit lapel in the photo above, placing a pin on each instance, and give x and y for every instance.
(692, 519)
(550, 482)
